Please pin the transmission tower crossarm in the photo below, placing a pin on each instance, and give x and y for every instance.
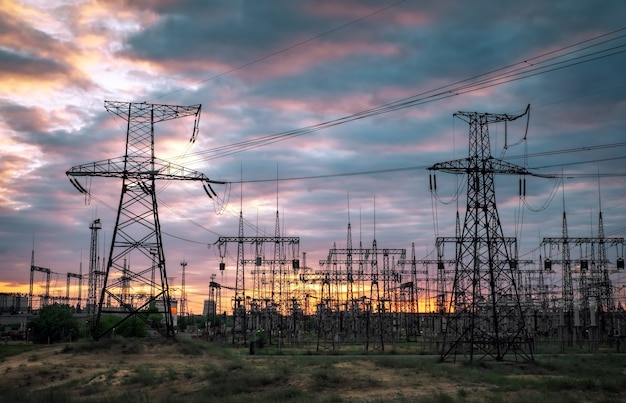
(487, 165)
(487, 117)
(115, 168)
(41, 269)
(257, 239)
(142, 111)
(582, 240)
(122, 167)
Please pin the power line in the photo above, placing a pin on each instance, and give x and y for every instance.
(288, 48)
(378, 171)
(421, 167)
(523, 69)
(468, 85)
(584, 162)
(568, 150)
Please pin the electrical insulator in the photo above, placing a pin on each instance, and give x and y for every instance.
(547, 265)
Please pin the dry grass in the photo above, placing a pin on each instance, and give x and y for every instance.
(196, 371)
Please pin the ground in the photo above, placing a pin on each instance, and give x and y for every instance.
(192, 370)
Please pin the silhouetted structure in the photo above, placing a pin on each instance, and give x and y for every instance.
(485, 315)
(129, 289)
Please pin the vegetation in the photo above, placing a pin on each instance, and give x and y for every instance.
(131, 327)
(54, 324)
(191, 370)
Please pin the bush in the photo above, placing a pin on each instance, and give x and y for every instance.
(54, 324)
(131, 327)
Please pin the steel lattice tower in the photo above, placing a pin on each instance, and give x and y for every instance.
(136, 244)
(95, 226)
(485, 315)
(239, 308)
(182, 308)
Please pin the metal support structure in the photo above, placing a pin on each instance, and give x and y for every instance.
(239, 307)
(485, 315)
(595, 290)
(94, 273)
(215, 296)
(263, 299)
(182, 307)
(43, 301)
(136, 244)
(79, 277)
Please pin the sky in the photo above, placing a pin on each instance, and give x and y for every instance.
(318, 71)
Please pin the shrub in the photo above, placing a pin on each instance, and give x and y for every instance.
(54, 324)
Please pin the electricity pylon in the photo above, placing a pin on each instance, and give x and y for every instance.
(136, 244)
(485, 314)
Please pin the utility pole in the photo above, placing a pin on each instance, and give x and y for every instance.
(137, 228)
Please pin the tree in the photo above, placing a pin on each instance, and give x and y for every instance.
(154, 317)
(129, 327)
(54, 324)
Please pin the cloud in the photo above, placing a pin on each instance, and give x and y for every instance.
(31, 60)
(20, 66)
(262, 68)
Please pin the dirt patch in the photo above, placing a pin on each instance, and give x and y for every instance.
(400, 383)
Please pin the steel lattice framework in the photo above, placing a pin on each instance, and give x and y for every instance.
(595, 293)
(95, 226)
(485, 315)
(136, 250)
(277, 296)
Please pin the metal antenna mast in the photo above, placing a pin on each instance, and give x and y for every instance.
(485, 315)
(137, 233)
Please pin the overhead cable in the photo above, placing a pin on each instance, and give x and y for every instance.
(475, 83)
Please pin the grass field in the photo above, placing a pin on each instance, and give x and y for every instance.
(198, 371)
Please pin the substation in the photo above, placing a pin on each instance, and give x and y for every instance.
(474, 299)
